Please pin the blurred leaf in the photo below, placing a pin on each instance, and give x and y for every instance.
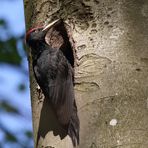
(11, 138)
(29, 134)
(8, 108)
(22, 87)
(2, 22)
(8, 52)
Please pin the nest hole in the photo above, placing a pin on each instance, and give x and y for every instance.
(67, 46)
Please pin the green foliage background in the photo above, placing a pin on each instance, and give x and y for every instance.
(10, 54)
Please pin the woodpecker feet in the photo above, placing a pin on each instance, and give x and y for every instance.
(40, 95)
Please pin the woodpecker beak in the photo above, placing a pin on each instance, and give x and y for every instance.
(50, 25)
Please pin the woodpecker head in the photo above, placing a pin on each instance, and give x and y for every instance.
(33, 35)
(37, 35)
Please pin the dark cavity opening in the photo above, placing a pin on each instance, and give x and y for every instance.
(66, 47)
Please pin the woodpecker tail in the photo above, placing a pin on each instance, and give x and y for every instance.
(74, 127)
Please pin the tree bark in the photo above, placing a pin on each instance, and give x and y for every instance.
(111, 69)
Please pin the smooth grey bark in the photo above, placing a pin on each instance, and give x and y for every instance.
(111, 70)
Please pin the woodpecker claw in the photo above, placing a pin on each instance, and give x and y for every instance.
(51, 24)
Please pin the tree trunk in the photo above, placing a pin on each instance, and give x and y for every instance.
(111, 69)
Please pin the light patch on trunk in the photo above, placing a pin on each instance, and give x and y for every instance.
(113, 122)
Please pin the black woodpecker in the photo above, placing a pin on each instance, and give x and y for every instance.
(55, 75)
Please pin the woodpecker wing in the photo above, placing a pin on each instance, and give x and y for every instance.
(61, 91)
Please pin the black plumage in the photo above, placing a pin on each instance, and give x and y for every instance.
(54, 74)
